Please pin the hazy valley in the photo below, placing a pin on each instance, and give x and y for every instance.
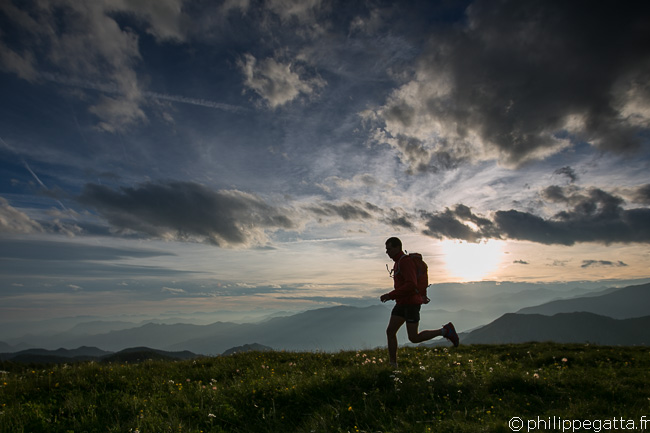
(491, 313)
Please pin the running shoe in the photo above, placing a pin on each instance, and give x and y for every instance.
(450, 334)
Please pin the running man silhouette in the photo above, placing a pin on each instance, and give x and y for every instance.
(407, 303)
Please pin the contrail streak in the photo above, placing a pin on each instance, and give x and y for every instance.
(194, 101)
(40, 182)
(43, 185)
(114, 90)
(34, 174)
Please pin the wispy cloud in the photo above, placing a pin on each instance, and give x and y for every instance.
(592, 263)
(196, 101)
(85, 42)
(43, 185)
(13, 220)
(112, 89)
(173, 291)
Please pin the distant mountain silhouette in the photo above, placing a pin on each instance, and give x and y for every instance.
(83, 353)
(60, 356)
(4, 347)
(247, 348)
(625, 303)
(498, 298)
(157, 336)
(49, 359)
(139, 354)
(100, 326)
(334, 328)
(326, 329)
(562, 328)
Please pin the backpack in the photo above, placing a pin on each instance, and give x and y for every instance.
(421, 270)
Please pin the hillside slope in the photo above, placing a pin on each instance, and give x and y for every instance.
(625, 303)
(562, 328)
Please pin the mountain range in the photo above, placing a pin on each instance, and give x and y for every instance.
(563, 328)
(626, 303)
(60, 356)
(611, 316)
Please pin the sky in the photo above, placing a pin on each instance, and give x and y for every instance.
(164, 157)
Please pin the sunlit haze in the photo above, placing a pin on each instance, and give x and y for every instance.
(471, 261)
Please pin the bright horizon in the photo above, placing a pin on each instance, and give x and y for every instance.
(254, 156)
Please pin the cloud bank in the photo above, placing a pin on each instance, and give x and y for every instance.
(593, 215)
(187, 211)
(190, 211)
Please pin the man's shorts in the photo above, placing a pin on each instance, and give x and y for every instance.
(409, 312)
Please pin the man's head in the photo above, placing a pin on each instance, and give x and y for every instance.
(393, 247)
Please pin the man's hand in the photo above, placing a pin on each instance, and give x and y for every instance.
(384, 297)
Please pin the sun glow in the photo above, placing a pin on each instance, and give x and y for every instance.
(472, 261)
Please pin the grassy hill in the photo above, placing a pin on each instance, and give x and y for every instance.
(468, 389)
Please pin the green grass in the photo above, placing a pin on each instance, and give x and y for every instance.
(468, 389)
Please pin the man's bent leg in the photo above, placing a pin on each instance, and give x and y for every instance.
(394, 324)
(418, 337)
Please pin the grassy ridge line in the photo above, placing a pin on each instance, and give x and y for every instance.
(472, 388)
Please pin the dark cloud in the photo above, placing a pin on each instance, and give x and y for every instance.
(555, 193)
(623, 226)
(642, 194)
(348, 211)
(521, 262)
(186, 210)
(568, 172)
(594, 216)
(590, 263)
(524, 79)
(399, 219)
(453, 224)
(584, 201)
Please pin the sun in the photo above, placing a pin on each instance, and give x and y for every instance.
(471, 261)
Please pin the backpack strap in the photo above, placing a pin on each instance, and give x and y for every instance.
(397, 264)
(417, 291)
